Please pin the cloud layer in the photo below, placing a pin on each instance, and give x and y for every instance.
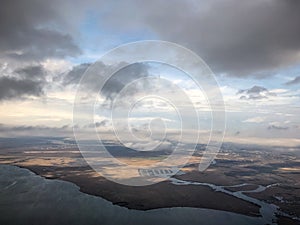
(34, 29)
(12, 88)
(296, 80)
(234, 37)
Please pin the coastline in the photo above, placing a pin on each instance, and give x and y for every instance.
(157, 196)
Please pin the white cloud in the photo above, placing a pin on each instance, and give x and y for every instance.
(254, 120)
(57, 65)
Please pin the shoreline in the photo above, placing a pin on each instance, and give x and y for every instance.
(127, 196)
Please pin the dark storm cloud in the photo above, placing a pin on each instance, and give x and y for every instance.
(294, 81)
(23, 82)
(114, 84)
(31, 72)
(123, 77)
(254, 90)
(255, 93)
(236, 37)
(75, 74)
(275, 127)
(32, 29)
(13, 88)
(103, 123)
(237, 133)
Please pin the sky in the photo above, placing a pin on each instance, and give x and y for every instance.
(252, 47)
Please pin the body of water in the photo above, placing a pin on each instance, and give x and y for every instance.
(26, 198)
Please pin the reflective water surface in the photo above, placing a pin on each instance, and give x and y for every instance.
(26, 198)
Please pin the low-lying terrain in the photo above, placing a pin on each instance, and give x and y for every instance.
(239, 169)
